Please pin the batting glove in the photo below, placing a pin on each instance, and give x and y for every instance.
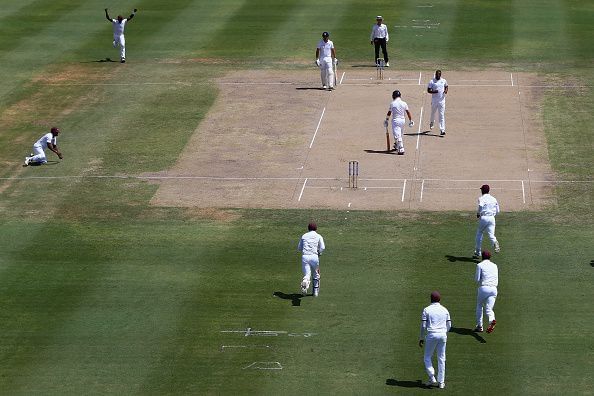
(411, 124)
(318, 62)
(386, 123)
(335, 61)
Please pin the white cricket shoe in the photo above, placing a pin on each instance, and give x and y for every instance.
(442, 385)
(432, 382)
(27, 160)
(324, 86)
(476, 255)
(497, 248)
(316, 292)
(431, 125)
(387, 64)
(442, 133)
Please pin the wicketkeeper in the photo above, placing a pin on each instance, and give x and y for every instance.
(311, 245)
(326, 61)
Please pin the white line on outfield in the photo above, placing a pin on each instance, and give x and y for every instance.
(403, 191)
(302, 188)
(341, 78)
(318, 127)
(223, 347)
(523, 193)
(419, 130)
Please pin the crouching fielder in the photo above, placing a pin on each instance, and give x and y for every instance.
(311, 246)
(326, 60)
(49, 141)
(398, 109)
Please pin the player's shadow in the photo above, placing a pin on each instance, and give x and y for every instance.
(468, 332)
(592, 263)
(369, 65)
(460, 258)
(310, 89)
(405, 383)
(49, 162)
(101, 61)
(294, 297)
(391, 151)
(423, 133)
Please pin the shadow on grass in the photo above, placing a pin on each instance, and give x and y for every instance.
(49, 162)
(468, 332)
(460, 258)
(370, 65)
(391, 152)
(406, 384)
(294, 297)
(592, 263)
(100, 61)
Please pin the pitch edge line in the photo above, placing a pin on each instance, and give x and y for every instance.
(403, 191)
(523, 193)
(318, 127)
(341, 78)
(419, 129)
(422, 188)
(302, 189)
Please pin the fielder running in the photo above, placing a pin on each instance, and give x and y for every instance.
(311, 245)
(326, 61)
(398, 109)
(488, 208)
(435, 324)
(118, 32)
(487, 277)
(49, 141)
(438, 88)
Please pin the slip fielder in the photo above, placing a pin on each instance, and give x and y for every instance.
(49, 141)
(487, 277)
(488, 208)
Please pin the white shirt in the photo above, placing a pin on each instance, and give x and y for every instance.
(379, 31)
(487, 273)
(435, 319)
(45, 139)
(325, 48)
(311, 243)
(487, 205)
(118, 28)
(398, 108)
(439, 85)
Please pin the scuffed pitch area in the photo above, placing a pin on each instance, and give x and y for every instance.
(274, 139)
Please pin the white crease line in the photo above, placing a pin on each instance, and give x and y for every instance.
(419, 130)
(419, 78)
(318, 127)
(422, 188)
(302, 189)
(403, 190)
(523, 193)
(341, 78)
(349, 205)
(511, 76)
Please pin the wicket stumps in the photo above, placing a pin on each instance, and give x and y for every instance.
(353, 174)
(380, 63)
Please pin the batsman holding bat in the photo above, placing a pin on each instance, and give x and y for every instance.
(398, 109)
(326, 61)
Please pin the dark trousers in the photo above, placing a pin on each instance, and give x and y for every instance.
(380, 42)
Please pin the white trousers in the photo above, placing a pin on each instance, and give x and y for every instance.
(486, 223)
(436, 342)
(397, 128)
(485, 296)
(120, 41)
(438, 107)
(327, 72)
(38, 155)
(310, 263)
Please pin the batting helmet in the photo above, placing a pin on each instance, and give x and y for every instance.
(396, 94)
(325, 34)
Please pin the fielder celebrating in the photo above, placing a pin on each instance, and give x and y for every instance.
(49, 141)
(488, 208)
(311, 245)
(438, 88)
(398, 109)
(435, 324)
(118, 32)
(326, 61)
(487, 277)
(380, 38)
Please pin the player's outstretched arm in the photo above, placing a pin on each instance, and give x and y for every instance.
(107, 15)
(133, 13)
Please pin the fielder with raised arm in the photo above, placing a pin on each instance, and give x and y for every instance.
(487, 277)
(435, 324)
(118, 32)
(398, 109)
(438, 88)
(326, 60)
(311, 245)
(488, 208)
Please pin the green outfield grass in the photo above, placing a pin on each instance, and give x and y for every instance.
(102, 293)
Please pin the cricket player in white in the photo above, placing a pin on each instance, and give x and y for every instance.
(487, 277)
(49, 141)
(398, 109)
(438, 88)
(488, 208)
(311, 245)
(118, 33)
(379, 39)
(435, 324)
(326, 61)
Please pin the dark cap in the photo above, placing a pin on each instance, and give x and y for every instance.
(325, 34)
(485, 188)
(435, 296)
(312, 226)
(485, 254)
(55, 129)
(396, 94)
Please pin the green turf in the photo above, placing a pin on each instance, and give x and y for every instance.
(104, 294)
